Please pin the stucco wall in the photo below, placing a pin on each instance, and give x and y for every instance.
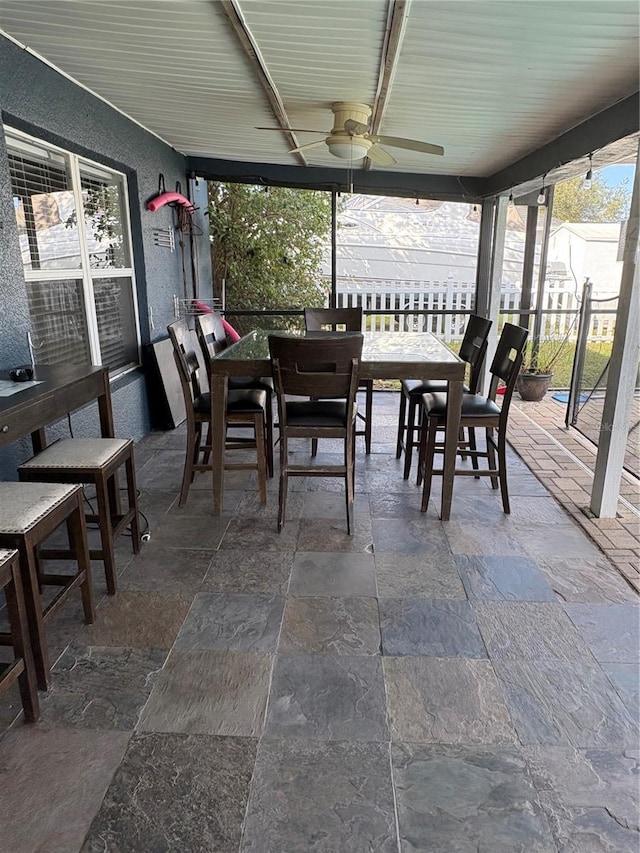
(36, 99)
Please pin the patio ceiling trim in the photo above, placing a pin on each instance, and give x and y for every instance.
(399, 184)
(394, 36)
(615, 123)
(259, 66)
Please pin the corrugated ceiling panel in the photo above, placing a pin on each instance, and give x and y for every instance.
(176, 67)
(490, 81)
(493, 81)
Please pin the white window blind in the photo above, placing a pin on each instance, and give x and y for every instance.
(80, 282)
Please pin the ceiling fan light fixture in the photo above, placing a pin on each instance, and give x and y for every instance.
(349, 147)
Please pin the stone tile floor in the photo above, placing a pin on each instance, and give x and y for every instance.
(421, 686)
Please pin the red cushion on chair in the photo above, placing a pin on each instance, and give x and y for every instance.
(230, 332)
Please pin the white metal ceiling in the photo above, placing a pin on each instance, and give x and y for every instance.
(491, 81)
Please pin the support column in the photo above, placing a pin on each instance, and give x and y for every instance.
(623, 369)
(334, 250)
(489, 296)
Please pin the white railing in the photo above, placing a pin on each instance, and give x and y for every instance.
(458, 296)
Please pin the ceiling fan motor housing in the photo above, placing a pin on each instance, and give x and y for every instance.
(345, 145)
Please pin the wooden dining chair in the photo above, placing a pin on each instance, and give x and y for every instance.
(213, 340)
(326, 370)
(477, 411)
(245, 408)
(347, 320)
(472, 350)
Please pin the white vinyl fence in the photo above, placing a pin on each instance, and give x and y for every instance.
(458, 296)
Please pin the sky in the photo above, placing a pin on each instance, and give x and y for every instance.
(613, 176)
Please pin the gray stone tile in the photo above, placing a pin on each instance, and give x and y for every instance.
(185, 529)
(590, 797)
(164, 570)
(227, 621)
(625, 677)
(176, 792)
(571, 704)
(325, 797)
(526, 485)
(332, 505)
(432, 575)
(478, 538)
(261, 534)
(445, 700)
(339, 626)
(612, 631)
(538, 510)
(163, 471)
(55, 780)
(529, 630)
(454, 799)
(200, 502)
(410, 536)
(249, 506)
(242, 570)
(589, 581)
(557, 540)
(217, 693)
(328, 697)
(503, 578)
(327, 534)
(332, 574)
(138, 620)
(404, 505)
(155, 504)
(429, 627)
(100, 687)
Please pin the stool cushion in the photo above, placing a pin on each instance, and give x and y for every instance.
(418, 387)
(70, 453)
(23, 505)
(318, 413)
(247, 401)
(6, 556)
(473, 406)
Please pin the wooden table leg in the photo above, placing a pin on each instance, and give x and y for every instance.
(218, 387)
(454, 405)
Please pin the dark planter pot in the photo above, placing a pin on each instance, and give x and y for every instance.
(533, 386)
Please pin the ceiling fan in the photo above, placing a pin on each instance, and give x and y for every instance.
(349, 139)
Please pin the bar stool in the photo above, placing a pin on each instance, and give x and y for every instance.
(22, 668)
(95, 461)
(29, 514)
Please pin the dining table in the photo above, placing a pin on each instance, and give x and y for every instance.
(385, 355)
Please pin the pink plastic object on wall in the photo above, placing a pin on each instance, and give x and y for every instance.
(231, 333)
(169, 198)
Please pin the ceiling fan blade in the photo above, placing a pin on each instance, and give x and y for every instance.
(294, 130)
(356, 127)
(307, 146)
(410, 144)
(378, 155)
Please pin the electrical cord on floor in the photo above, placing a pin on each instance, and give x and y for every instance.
(145, 533)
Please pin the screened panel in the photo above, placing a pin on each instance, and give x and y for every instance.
(104, 218)
(59, 330)
(45, 207)
(116, 325)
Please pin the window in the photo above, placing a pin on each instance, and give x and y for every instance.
(73, 225)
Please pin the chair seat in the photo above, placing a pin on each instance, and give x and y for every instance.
(23, 505)
(79, 453)
(473, 406)
(418, 387)
(265, 383)
(246, 401)
(317, 413)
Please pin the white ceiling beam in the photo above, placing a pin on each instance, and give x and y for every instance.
(398, 13)
(250, 46)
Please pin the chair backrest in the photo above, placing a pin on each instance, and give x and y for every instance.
(211, 335)
(474, 347)
(186, 361)
(507, 362)
(316, 367)
(329, 319)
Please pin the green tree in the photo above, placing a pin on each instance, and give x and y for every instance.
(602, 203)
(267, 245)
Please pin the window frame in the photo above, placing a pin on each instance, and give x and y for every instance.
(85, 272)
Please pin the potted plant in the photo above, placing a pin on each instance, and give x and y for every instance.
(537, 372)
